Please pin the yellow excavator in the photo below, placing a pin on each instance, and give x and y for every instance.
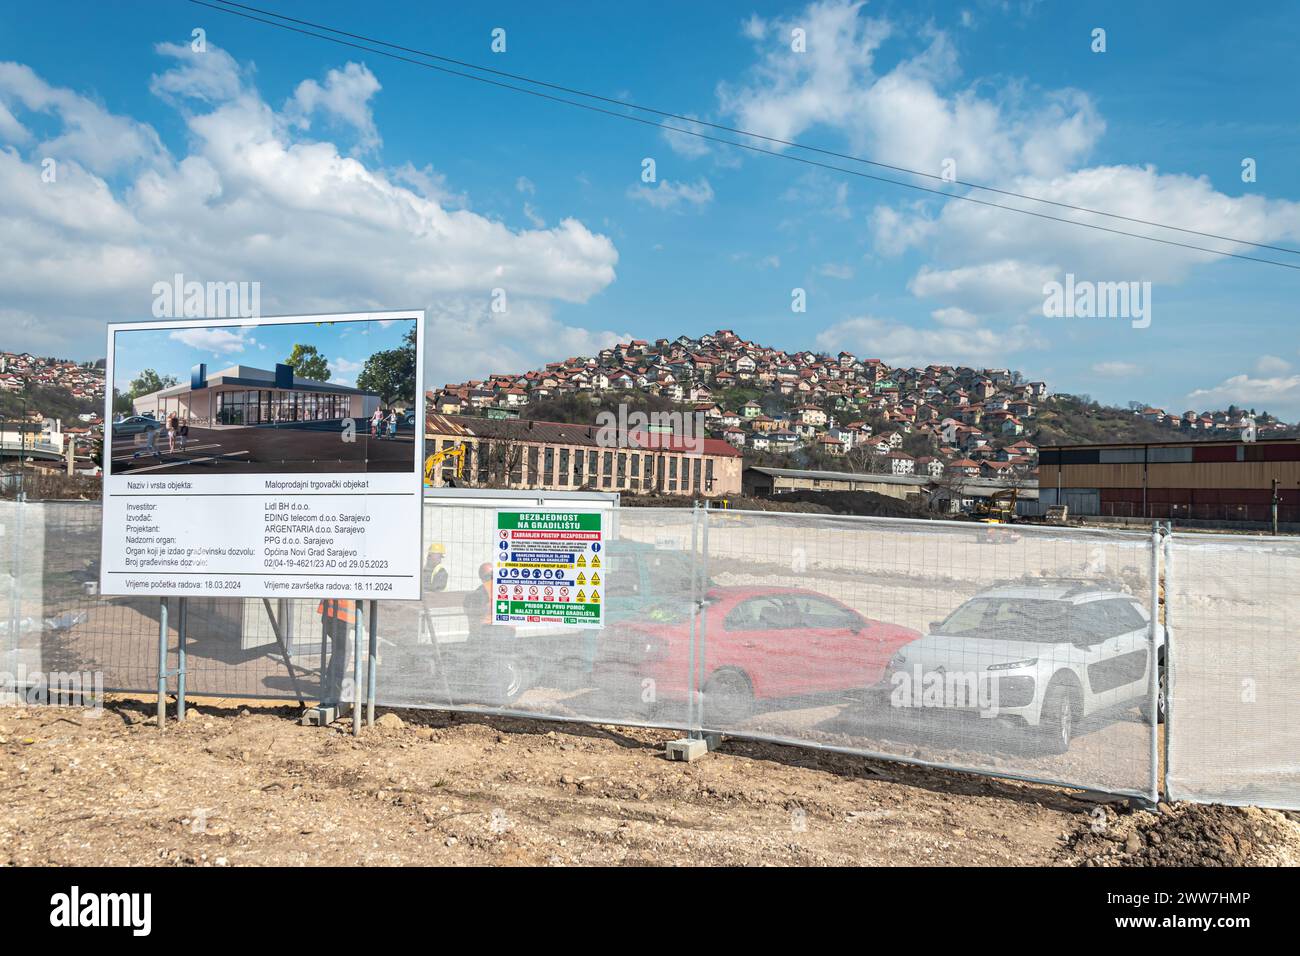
(998, 508)
(433, 461)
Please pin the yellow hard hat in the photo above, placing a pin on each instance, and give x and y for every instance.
(437, 547)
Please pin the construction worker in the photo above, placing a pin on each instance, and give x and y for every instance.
(435, 574)
(496, 664)
(338, 616)
(478, 604)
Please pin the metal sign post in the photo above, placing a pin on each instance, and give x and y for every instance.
(356, 671)
(182, 620)
(372, 663)
(162, 662)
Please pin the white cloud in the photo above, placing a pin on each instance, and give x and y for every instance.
(11, 131)
(430, 184)
(1005, 286)
(525, 185)
(786, 93)
(954, 318)
(916, 110)
(965, 232)
(216, 341)
(684, 144)
(1116, 369)
(1278, 394)
(254, 200)
(820, 192)
(911, 114)
(835, 270)
(344, 96)
(89, 136)
(669, 195)
(899, 344)
(212, 77)
(1268, 365)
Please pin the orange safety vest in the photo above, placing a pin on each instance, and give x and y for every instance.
(333, 607)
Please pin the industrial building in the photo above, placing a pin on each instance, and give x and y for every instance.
(522, 453)
(952, 496)
(243, 395)
(1196, 480)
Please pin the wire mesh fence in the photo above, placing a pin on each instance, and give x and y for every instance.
(1234, 722)
(1022, 651)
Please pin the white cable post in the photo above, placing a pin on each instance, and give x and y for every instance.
(356, 668)
(162, 662)
(1157, 545)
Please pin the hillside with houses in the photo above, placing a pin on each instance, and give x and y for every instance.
(841, 412)
(82, 381)
(58, 396)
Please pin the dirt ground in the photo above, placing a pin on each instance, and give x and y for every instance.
(237, 785)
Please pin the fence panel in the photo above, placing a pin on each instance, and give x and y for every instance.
(438, 653)
(22, 555)
(1234, 723)
(65, 626)
(1023, 651)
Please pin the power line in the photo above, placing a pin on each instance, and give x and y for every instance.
(224, 8)
(771, 139)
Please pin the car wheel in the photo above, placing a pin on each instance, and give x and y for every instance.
(510, 682)
(1056, 721)
(728, 698)
(1161, 696)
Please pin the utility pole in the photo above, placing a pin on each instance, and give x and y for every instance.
(22, 450)
(1275, 503)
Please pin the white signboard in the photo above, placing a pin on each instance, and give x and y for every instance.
(269, 457)
(551, 568)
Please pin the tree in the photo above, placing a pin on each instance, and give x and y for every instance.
(149, 381)
(391, 374)
(503, 456)
(864, 459)
(143, 384)
(307, 362)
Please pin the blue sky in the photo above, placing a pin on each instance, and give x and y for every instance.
(174, 352)
(343, 180)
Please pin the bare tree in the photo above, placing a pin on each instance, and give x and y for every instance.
(866, 460)
(498, 460)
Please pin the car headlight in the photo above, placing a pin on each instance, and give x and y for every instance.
(1014, 665)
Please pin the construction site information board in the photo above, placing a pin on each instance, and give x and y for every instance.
(265, 457)
(551, 568)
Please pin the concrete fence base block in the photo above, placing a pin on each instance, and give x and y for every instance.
(321, 716)
(691, 749)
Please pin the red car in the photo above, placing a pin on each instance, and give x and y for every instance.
(761, 643)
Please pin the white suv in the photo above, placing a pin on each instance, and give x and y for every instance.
(1047, 655)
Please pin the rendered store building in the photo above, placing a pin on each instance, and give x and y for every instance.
(242, 395)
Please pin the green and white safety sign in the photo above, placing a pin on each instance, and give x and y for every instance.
(551, 568)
